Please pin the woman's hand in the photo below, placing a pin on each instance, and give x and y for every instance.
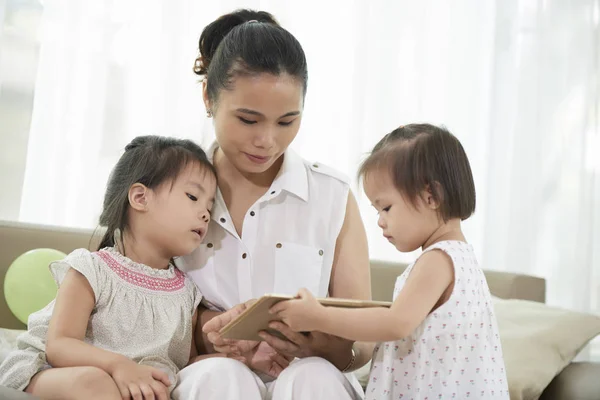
(334, 349)
(222, 345)
(301, 320)
(263, 358)
(258, 356)
(140, 382)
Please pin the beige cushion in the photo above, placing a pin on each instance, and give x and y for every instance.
(538, 341)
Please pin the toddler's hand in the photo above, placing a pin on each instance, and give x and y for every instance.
(302, 314)
(140, 382)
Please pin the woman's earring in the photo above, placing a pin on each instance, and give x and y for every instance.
(208, 113)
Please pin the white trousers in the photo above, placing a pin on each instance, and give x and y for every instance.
(311, 378)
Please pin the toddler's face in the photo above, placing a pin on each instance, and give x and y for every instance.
(180, 213)
(404, 225)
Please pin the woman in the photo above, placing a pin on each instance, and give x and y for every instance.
(278, 224)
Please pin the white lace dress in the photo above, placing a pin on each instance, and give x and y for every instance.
(142, 313)
(455, 353)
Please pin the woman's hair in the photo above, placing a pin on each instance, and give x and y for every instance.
(423, 156)
(247, 42)
(151, 161)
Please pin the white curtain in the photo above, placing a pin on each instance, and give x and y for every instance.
(515, 80)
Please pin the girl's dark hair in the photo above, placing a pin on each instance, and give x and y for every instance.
(151, 161)
(247, 42)
(420, 156)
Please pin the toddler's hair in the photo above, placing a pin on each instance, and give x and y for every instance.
(424, 156)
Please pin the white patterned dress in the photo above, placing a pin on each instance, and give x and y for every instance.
(455, 353)
(142, 313)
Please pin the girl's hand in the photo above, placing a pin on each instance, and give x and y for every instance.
(303, 314)
(140, 382)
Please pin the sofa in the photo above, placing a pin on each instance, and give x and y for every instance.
(576, 381)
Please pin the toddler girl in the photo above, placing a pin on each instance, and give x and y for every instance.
(440, 337)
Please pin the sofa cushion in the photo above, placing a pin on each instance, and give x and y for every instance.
(579, 380)
(538, 341)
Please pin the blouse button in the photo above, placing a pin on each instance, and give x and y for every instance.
(278, 245)
(244, 255)
(209, 245)
(320, 252)
(252, 214)
(273, 192)
(222, 219)
(316, 165)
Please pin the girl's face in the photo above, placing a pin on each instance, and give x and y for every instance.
(256, 121)
(179, 211)
(404, 225)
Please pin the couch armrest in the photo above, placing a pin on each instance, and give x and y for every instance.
(507, 285)
(578, 381)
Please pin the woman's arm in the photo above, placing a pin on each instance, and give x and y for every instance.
(65, 346)
(194, 357)
(203, 315)
(351, 275)
(194, 349)
(425, 289)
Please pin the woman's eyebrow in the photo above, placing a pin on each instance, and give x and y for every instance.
(254, 112)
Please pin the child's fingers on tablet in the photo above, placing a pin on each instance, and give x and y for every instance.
(304, 293)
(279, 307)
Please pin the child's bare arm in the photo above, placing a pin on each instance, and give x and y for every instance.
(428, 281)
(65, 346)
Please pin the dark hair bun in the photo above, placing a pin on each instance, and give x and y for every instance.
(213, 34)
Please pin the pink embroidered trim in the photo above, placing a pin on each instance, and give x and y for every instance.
(142, 280)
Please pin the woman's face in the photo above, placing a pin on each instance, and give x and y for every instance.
(256, 121)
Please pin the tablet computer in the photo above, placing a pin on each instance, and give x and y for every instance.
(256, 318)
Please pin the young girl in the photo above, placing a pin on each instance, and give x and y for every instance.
(121, 324)
(440, 334)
